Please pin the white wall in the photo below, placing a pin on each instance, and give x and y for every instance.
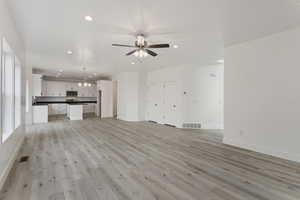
(128, 96)
(142, 90)
(115, 98)
(262, 85)
(9, 149)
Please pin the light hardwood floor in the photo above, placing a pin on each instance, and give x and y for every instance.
(110, 160)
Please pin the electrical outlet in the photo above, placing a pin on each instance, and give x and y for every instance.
(241, 132)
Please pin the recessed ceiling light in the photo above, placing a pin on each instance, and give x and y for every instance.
(61, 70)
(175, 46)
(132, 63)
(69, 52)
(220, 61)
(88, 18)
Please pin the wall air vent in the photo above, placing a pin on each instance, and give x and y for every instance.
(191, 125)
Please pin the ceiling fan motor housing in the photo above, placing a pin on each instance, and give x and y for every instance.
(140, 42)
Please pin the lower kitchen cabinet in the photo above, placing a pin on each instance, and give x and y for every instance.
(57, 109)
(89, 108)
(40, 114)
(61, 109)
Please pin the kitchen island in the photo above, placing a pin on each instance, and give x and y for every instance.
(73, 108)
(40, 113)
(75, 111)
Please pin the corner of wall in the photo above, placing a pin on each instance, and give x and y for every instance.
(261, 149)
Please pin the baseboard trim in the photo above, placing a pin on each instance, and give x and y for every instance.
(263, 150)
(11, 163)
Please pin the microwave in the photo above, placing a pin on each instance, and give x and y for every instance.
(72, 94)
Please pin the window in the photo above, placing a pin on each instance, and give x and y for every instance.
(10, 91)
(7, 91)
(18, 94)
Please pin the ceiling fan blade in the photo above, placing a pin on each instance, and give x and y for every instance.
(131, 52)
(151, 52)
(122, 45)
(159, 46)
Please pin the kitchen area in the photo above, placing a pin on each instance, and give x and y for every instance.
(68, 100)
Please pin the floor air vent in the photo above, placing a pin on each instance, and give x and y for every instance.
(24, 159)
(192, 125)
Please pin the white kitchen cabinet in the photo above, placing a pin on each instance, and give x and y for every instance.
(71, 86)
(89, 108)
(37, 84)
(52, 88)
(68, 86)
(44, 88)
(61, 109)
(59, 88)
(87, 91)
(40, 114)
(79, 90)
(75, 112)
(57, 109)
(82, 91)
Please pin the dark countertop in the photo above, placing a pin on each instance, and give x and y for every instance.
(62, 102)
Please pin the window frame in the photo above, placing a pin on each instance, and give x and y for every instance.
(11, 92)
(1, 88)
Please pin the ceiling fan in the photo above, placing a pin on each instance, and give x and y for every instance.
(142, 48)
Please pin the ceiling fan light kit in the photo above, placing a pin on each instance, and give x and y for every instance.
(142, 48)
(140, 53)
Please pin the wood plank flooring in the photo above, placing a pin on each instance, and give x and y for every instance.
(116, 160)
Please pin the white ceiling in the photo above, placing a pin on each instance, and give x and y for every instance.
(201, 28)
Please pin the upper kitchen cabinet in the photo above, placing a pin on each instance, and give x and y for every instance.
(71, 86)
(54, 88)
(44, 88)
(37, 84)
(60, 88)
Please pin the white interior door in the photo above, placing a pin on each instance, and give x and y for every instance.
(171, 104)
(152, 103)
(155, 103)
